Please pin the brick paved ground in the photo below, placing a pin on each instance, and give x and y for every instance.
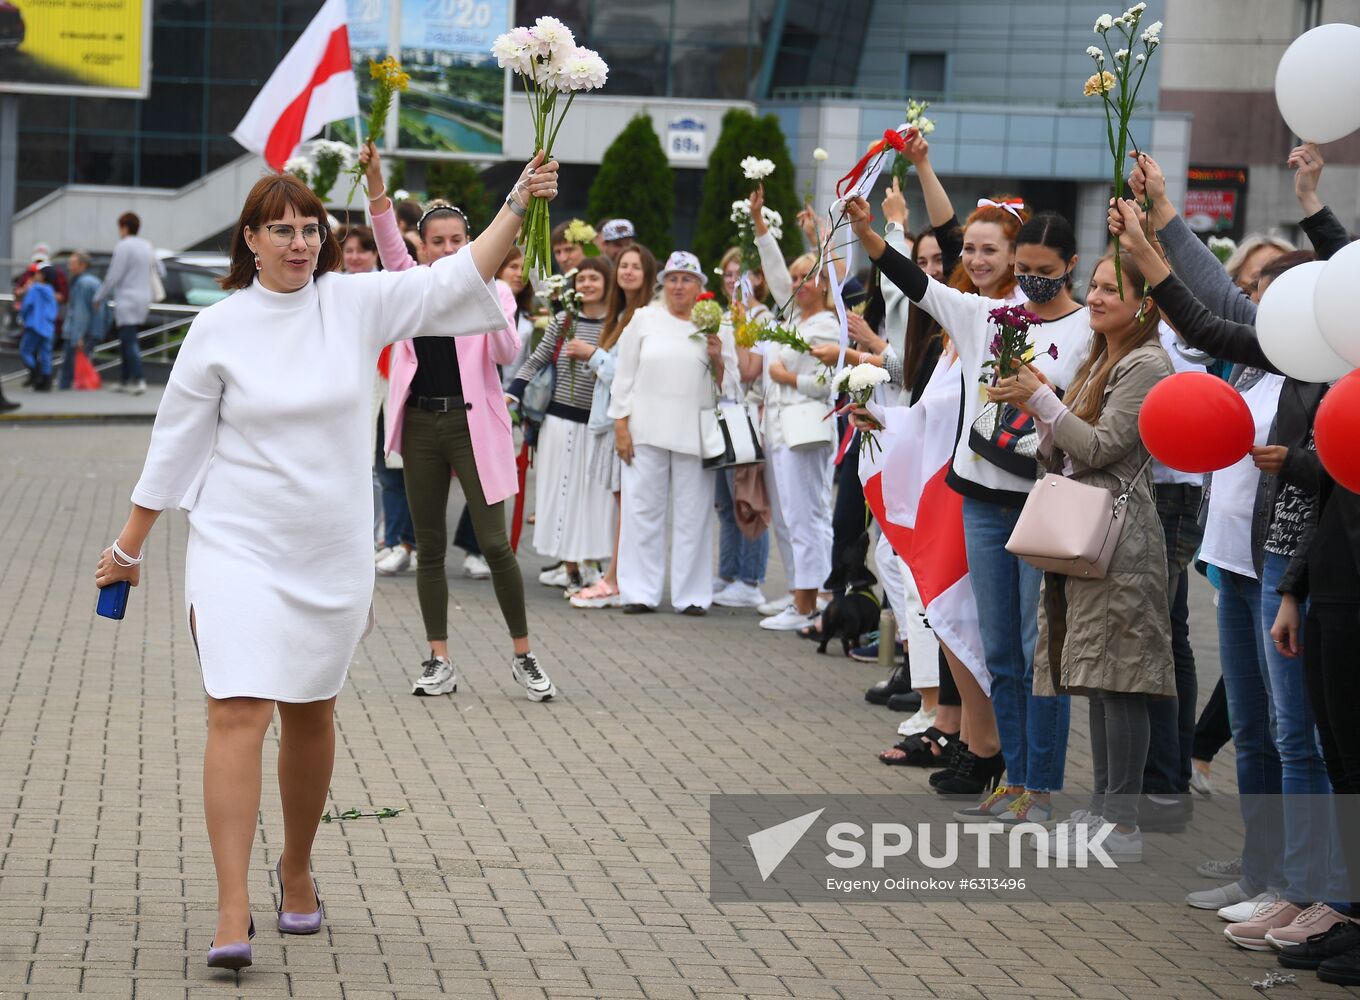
(545, 851)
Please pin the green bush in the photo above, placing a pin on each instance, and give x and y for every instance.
(635, 182)
(743, 135)
(460, 183)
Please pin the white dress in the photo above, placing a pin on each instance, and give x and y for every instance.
(263, 437)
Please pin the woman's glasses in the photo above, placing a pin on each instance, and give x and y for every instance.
(282, 234)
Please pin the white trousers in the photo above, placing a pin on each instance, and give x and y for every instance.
(923, 649)
(799, 485)
(655, 477)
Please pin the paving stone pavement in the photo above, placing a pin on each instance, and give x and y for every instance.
(544, 850)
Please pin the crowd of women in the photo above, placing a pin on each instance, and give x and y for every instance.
(619, 448)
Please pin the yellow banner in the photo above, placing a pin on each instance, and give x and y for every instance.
(64, 45)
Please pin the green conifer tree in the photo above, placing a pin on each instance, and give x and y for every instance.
(635, 182)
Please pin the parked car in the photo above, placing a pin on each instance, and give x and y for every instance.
(12, 28)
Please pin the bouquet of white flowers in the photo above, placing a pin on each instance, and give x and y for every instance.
(551, 64)
(746, 231)
(859, 384)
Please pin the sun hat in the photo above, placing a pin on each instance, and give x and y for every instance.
(618, 229)
(683, 262)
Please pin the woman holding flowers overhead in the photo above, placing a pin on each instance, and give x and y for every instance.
(798, 437)
(263, 436)
(994, 468)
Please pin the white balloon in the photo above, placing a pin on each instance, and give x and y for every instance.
(1286, 325)
(1334, 303)
(1317, 84)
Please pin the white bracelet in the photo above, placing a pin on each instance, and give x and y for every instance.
(123, 559)
(379, 196)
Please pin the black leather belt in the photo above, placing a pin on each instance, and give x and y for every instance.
(1181, 491)
(438, 404)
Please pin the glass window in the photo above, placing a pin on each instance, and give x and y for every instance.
(45, 155)
(171, 163)
(241, 11)
(177, 10)
(246, 55)
(227, 105)
(637, 19)
(925, 73)
(42, 111)
(173, 107)
(178, 51)
(712, 72)
(635, 69)
(102, 159)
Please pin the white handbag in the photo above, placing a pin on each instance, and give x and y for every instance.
(729, 436)
(806, 425)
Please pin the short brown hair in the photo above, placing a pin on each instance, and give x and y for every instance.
(361, 233)
(409, 212)
(130, 222)
(268, 200)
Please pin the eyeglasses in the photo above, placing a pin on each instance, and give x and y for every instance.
(282, 234)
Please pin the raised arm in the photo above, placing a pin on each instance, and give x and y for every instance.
(777, 277)
(387, 234)
(938, 207)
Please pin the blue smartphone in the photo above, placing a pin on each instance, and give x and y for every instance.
(113, 600)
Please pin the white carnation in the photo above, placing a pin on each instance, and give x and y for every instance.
(756, 169)
(925, 126)
(400, 194)
(866, 376)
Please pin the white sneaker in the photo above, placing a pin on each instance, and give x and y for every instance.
(397, 560)
(775, 605)
(1066, 839)
(788, 620)
(475, 566)
(1199, 782)
(139, 388)
(1239, 912)
(1220, 896)
(380, 554)
(411, 566)
(555, 576)
(918, 723)
(437, 676)
(529, 675)
(739, 595)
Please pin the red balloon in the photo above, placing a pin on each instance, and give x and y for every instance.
(1196, 422)
(1337, 429)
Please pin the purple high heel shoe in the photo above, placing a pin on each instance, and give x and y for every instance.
(298, 923)
(232, 956)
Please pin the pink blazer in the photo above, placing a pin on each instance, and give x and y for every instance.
(488, 419)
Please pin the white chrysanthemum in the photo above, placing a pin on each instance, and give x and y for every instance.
(512, 52)
(866, 377)
(819, 154)
(1095, 53)
(756, 169)
(553, 36)
(1104, 23)
(583, 70)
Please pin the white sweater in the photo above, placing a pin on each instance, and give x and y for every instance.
(662, 379)
(964, 317)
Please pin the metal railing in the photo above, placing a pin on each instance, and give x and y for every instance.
(895, 96)
(117, 344)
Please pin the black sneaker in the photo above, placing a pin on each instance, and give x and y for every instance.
(1337, 940)
(905, 701)
(1164, 813)
(1343, 970)
(898, 683)
(638, 609)
(694, 611)
(972, 777)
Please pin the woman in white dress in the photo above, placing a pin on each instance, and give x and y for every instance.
(263, 437)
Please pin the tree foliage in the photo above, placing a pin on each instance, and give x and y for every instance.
(635, 182)
(459, 183)
(743, 134)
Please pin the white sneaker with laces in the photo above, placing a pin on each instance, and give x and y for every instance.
(918, 723)
(775, 605)
(380, 554)
(476, 567)
(139, 388)
(529, 675)
(1221, 896)
(437, 676)
(739, 595)
(1240, 912)
(398, 560)
(1067, 838)
(555, 576)
(788, 620)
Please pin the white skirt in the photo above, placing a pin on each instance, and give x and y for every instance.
(604, 462)
(573, 512)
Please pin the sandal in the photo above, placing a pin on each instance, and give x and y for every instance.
(916, 750)
(601, 594)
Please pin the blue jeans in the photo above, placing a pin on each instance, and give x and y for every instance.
(35, 350)
(1033, 729)
(1241, 651)
(397, 525)
(1302, 771)
(131, 353)
(739, 557)
(1172, 720)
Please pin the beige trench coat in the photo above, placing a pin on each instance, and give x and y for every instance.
(1112, 634)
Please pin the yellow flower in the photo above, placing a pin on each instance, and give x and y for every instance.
(1099, 83)
(389, 73)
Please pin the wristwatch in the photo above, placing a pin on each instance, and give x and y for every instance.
(892, 227)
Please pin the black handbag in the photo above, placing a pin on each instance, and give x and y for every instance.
(1005, 436)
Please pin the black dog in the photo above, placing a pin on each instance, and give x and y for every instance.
(855, 612)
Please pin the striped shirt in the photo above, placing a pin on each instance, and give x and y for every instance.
(575, 385)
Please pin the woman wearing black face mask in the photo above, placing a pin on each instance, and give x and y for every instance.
(995, 478)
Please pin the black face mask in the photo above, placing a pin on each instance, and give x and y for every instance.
(1040, 289)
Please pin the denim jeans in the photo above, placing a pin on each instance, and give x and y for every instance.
(1241, 651)
(1302, 770)
(35, 350)
(739, 557)
(131, 353)
(1033, 729)
(1172, 721)
(847, 513)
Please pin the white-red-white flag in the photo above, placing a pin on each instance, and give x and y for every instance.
(313, 86)
(921, 516)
